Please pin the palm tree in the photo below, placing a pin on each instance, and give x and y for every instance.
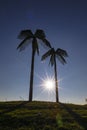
(60, 54)
(28, 37)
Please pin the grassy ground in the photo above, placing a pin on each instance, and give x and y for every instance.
(42, 116)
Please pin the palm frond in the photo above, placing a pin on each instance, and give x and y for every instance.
(23, 44)
(51, 60)
(35, 45)
(40, 34)
(61, 59)
(47, 43)
(48, 53)
(37, 49)
(61, 52)
(25, 33)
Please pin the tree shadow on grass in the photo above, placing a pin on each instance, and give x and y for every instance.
(13, 107)
(7, 121)
(80, 120)
(6, 108)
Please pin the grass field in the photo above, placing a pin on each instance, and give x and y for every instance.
(23, 115)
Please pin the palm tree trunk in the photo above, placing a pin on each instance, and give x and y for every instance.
(31, 76)
(56, 81)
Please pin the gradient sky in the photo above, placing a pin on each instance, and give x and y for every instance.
(65, 25)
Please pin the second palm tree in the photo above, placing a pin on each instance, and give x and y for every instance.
(60, 53)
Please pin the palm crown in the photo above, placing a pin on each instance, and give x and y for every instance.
(59, 53)
(27, 35)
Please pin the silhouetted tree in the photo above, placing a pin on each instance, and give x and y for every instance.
(60, 54)
(28, 37)
(86, 100)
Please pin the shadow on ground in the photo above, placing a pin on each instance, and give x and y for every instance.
(80, 120)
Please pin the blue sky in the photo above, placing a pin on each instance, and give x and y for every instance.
(65, 26)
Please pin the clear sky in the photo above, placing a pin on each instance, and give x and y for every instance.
(65, 25)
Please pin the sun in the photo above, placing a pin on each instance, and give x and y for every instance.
(49, 84)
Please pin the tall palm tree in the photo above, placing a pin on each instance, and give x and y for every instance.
(28, 37)
(60, 54)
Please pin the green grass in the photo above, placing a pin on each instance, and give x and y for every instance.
(24, 115)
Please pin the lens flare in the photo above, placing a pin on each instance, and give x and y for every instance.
(47, 87)
(49, 84)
